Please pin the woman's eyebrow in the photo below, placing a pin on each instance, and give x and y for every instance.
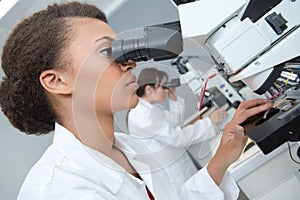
(104, 38)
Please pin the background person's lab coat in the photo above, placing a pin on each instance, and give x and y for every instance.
(160, 131)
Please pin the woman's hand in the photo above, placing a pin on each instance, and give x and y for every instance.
(172, 94)
(218, 116)
(233, 138)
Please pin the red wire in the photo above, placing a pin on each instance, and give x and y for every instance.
(202, 93)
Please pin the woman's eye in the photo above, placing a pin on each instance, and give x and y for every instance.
(106, 52)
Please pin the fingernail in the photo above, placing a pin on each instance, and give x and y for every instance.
(240, 132)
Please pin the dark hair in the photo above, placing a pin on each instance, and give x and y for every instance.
(36, 44)
(151, 77)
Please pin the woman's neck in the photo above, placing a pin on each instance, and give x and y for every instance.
(99, 135)
(148, 99)
(95, 132)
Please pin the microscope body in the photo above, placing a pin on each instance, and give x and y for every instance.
(264, 54)
(247, 50)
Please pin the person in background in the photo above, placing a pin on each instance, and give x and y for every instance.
(160, 129)
(59, 76)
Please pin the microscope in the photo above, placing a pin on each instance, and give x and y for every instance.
(258, 45)
(258, 48)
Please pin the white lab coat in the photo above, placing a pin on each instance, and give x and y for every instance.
(70, 170)
(160, 131)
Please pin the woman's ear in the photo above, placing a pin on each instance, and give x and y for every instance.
(148, 90)
(55, 82)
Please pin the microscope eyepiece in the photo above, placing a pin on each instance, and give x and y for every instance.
(160, 42)
(172, 84)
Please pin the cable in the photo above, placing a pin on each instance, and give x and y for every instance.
(291, 153)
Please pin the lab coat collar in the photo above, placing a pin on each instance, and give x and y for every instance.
(130, 147)
(105, 170)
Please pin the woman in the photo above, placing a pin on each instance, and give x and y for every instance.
(160, 129)
(59, 76)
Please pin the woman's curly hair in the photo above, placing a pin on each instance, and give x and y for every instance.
(37, 44)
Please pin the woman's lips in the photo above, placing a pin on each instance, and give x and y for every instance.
(133, 82)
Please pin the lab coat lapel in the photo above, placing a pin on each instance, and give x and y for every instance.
(154, 177)
(129, 146)
(145, 170)
(145, 164)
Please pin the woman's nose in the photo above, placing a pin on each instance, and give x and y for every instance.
(128, 65)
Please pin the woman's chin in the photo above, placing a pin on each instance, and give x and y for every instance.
(134, 100)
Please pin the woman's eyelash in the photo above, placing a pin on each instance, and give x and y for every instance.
(106, 51)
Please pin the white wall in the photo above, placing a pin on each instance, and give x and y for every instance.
(18, 153)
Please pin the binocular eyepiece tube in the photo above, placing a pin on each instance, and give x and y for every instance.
(160, 42)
